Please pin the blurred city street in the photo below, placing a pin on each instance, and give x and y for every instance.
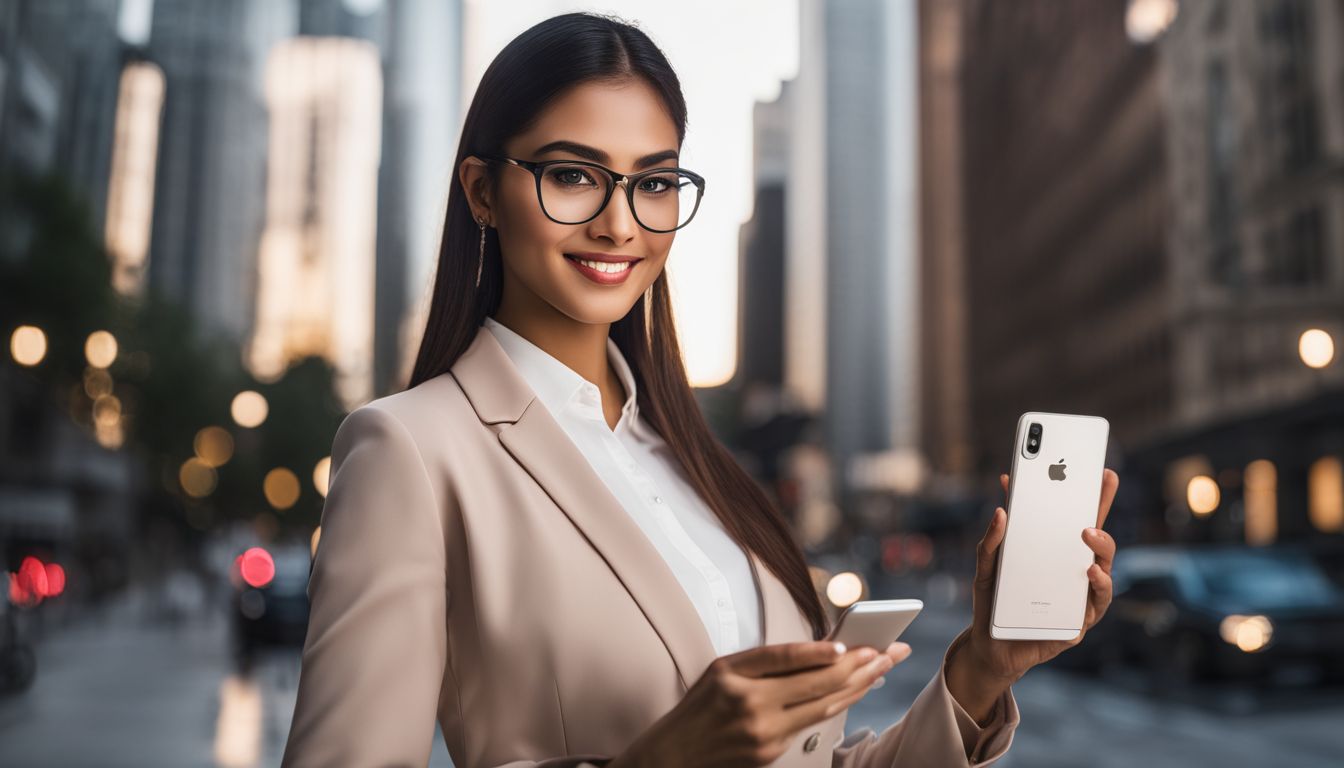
(1070, 721)
(123, 688)
(902, 239)
(118, 689)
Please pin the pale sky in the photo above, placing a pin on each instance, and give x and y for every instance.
(725, 67)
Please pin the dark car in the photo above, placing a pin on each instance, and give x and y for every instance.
(270, 612)
(1218, 611)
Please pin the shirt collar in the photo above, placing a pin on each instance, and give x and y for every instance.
(556, 384)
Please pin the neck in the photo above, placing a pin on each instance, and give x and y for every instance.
(580, 346)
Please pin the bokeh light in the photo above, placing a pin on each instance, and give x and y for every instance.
(844, 589)
(1146, 20)
(249, 409)
(107, 411)
(1201, 493)
(97, 382)
(198, 479)
(257, 567)
(213, 446)
(1316, 348)
(1249, 633)
(281, 487)
(100, 349)
(322, 475)
(28, 345)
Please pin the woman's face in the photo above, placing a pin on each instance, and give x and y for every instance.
(621, 124)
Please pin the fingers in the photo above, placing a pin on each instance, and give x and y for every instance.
(855, 686)
(1110, 482)
(1100, 598)
(988, 548)
(1003, 481)
(783, 658)
(1102, 544)
(791, 689)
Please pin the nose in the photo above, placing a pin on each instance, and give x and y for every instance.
(617, 221)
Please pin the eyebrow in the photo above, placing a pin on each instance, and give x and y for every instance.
(598, 156)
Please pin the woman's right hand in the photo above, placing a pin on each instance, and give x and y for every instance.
(747, 706)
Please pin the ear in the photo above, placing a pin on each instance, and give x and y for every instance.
(476, 184)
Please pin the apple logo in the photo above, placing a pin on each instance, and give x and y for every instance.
(1057, 470)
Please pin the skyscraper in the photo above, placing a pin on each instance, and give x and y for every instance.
(316, 263)
(211, 176)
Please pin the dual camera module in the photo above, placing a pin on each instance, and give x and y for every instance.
(1033, 446)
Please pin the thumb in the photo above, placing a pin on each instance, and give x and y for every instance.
(986, 560)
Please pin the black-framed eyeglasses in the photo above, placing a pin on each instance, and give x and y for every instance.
(576, 191)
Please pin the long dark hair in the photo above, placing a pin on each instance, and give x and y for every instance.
(534, 69)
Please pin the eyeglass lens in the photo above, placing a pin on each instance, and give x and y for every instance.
(573, 194)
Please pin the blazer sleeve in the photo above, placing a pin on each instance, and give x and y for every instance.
(376, 649)
(935, 731)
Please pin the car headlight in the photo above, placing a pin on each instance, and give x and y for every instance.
(1249, 633)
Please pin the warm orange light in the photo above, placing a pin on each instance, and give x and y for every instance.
(1262, 514)
(97, 382)
(1201, 493)
(1249, 633)
(1316, 348)
(100, 349)
(281, 487)
(198, 479)
(844, 589)
(106, 410)
(1146, 20)
(249, 409)
(28, 345)
(322, 475)
(214, 446)
(1325, 494)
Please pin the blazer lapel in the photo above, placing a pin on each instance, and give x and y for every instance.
(537, 442)
(781, 620)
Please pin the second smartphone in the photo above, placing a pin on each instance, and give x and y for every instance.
(1053, 494)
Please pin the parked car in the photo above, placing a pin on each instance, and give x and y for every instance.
(1189, 613)
(270, 600)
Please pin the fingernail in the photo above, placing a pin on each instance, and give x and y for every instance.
(878, 683)
(839, 649)
(866, 653)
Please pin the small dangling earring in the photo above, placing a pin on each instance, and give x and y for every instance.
(480, 262)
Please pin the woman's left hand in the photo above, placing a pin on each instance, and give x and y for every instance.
(1008, 660)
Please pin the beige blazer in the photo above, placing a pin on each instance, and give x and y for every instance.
(474, 570)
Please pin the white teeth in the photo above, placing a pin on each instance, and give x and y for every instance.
(603, 266)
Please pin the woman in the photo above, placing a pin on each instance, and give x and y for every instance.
(539, 544)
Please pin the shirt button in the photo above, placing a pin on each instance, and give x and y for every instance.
(657, 499)
(723, 603)
(811, 742)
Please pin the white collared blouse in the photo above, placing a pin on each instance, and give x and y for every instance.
(641, 472)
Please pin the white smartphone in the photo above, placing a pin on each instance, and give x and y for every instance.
(875, 623)
(1053, 494)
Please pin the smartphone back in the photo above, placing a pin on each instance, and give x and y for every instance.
(1041, 591)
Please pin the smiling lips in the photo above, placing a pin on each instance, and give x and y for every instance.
(604, 269)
